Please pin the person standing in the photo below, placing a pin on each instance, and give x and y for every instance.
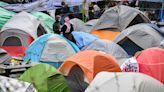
(67, 29)
(96, 10)
(56, 25)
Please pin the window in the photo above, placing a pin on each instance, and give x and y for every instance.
(12, 41)
(138, 19)
(41, 31)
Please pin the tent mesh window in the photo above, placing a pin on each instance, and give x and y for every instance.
(129, 46)
(138, 19)
(75, 79)
(12, 41)
(41, 31)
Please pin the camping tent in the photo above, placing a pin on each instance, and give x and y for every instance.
(90, 24)
(151, 62)
(108, 47)
(116, 19)
(124, 82)
(83, 39)
(139, 37)
(45, 78)
(15, 85)
(19, 32)
(4, 56)
(49, 48)
(78, 25)
(47, 20)
(91, 63)
(5, 15)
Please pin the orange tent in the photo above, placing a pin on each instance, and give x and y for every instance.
(105, 34)
(91, 63)
(151, 62)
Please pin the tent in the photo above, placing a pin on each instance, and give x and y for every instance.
(108, 47)
(90, 24)
(5, 15)
(91, 63)
(151, 62)
(78, 25)
(15, 85)
(124, 82)
(47, 20)
(116, 19)
(49, 48)
(83, 39)
(4, 56)
(19, 32)
(139, 37)
(45, 78)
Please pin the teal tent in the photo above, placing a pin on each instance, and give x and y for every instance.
(48, 20)
(5, 15)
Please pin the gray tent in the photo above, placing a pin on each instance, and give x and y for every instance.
(78, 25)
(90, 24)
(108, 47)
(120, 17)
(19, 32)
(124, 82)
(139, 37)
(4, 56)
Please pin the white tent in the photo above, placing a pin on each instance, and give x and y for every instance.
(124, 82)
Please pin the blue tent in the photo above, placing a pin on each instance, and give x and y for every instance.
(50, 48)
(83, 39)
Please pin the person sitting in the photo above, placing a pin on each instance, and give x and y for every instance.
(67, 29)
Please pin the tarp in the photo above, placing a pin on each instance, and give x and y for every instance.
(108, 47)
(91, 62)
(120, 17)
(151, 62)
(83, 39)
(124, 82)
(45, 78)
(5, 15)
(49, 48)
(15, 85)
(46, 19)
(43, 5)
(133, 38)
(4, 56)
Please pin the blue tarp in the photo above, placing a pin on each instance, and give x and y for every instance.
(83, 39)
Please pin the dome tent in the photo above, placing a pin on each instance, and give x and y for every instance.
(45, 78)
(133, 38)
(108, 47)
(116, 19)
(50, 48)
(124, 82)
(91, 62)
(152, 64)
(18, 33)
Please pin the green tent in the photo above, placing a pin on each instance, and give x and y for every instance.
(48, 21)
(46, 78)
(5, 15)
(3, 3)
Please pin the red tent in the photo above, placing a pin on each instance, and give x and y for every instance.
(151, 62)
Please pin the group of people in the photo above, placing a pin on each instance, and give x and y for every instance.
(66, 29)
